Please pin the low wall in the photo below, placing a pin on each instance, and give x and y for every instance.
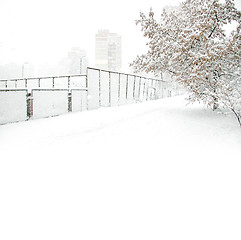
(13, 105)
(48, 102)
(79, 100)
(52, 96)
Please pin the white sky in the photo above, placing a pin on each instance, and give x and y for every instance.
(45, 30)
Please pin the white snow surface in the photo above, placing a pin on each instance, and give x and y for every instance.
(155, 170)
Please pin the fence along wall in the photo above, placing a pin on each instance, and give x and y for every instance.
(42, 97)
(51, 96)
(55, 82)
(107, 88)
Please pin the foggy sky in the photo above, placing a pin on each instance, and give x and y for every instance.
(45, 30)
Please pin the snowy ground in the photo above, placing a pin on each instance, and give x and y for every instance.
(156, 170)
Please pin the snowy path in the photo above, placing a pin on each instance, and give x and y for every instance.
(156, 170)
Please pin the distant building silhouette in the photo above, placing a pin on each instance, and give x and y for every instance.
(14, 70)
(75, 63)
(108, 50)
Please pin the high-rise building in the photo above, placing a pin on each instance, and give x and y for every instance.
(108, 50)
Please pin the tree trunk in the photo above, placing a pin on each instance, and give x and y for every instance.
(237, 115)
(215, 104)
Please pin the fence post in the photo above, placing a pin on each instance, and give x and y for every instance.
(100, 87)
(157, 89)
(119, 90)
(147, 90)
(93, 88)
(144, 86)
(134, 88)
(109, 90)
(151, 94)
(69, 101)
(156, 92)
(68, 82)
(139, 91)
(29, 105)
(127, 82)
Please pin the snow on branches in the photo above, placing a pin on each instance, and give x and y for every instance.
(190, 43)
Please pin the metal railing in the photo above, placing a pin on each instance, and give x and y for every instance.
(98, 88)
(32, 86)
(116, 88)
(70, 81)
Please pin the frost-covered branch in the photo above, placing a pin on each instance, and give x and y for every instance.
(190, 43)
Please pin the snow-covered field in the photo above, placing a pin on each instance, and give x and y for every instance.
(156, 170)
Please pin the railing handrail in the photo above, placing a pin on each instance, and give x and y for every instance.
(34, 78)
(122, 73)
(82, 75)
(59, 89)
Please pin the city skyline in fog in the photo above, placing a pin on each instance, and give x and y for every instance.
(44, 31)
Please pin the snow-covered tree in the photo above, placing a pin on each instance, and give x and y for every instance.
(191, 43)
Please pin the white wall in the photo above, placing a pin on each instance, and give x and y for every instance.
(49, 103)
(93, 88)
(13, 106)
(79, 100)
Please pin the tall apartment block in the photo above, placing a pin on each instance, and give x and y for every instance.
(108, 50)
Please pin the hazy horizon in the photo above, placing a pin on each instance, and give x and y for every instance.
(43, 31)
